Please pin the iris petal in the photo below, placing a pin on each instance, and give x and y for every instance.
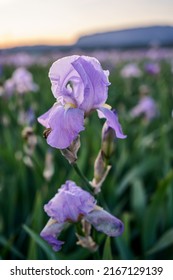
(112, 120)
(65, 125)
(105, 222)
(44, 119)
(60, 73)
(95, 82)
(69, 203)
(50, 233)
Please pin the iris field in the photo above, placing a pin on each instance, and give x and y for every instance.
(138, 189)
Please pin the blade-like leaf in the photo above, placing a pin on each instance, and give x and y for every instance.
(40, 242)
(107, 254)
(165, 241)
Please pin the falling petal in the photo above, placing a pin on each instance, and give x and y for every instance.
(112, 121)
(105, 222)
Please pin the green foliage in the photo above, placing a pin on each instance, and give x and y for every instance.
(138, 189)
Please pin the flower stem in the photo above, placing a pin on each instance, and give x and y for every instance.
(82, 176)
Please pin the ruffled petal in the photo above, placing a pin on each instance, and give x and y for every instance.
(112, 121)
(95, 82)
(70, 203)
(105, 222)
(61, 73)
(50, 233)
(65, 125)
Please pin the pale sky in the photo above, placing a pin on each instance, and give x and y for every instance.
(63, 21)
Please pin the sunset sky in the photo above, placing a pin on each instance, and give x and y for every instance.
(63, 21)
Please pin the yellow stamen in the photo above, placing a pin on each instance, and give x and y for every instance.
(69, 105)
(107, 106)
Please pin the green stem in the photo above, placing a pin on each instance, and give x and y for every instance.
(82, 176)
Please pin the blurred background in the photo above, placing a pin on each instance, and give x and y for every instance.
(134, 41)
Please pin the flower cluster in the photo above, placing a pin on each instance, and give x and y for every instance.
(80, 86)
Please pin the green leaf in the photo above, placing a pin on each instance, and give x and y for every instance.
(40, 242)
(124, 249)
(165, 241)
(136, 172)
(152, 215)
(107, 254)
(138, 199)
(9, 247)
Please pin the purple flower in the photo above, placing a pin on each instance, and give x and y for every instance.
(152, 68)
(21, 82)
(80, 86)
(131, 70)
(70, 205)
(147, 107)
(9, 87)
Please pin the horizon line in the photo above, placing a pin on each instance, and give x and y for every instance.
(70, 42)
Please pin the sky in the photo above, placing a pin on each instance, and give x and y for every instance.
(27, 22)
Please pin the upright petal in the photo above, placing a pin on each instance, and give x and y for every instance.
(95, 82)
(65, 125)
(112, 121)
(50, 233)
(62, 72)
(105, 222)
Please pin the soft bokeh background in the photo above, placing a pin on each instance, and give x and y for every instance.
(139, 187)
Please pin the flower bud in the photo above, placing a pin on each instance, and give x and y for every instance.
(30, 140)
(100, 172)
(108, 141)
(49, 166)
(70, 153)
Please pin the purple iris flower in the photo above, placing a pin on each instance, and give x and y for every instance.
(21, 82)
(147, 107)
(131, 70)
(80, 86)
(70, 205)
(152, 68)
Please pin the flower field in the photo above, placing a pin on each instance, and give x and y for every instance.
(138, 187)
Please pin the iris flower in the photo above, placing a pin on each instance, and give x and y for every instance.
(20, 82)
(131, 70)
(147, 107)
(80, 85)
(152, 68)
(70, 205)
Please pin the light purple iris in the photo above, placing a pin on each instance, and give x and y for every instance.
(70, 205)
(131, 70)
(20, 82)
(23, 80)
(147, 107)
(152, 68)
(80, 85)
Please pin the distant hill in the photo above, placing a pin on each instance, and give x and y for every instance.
(127, 38)
(37, 49)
